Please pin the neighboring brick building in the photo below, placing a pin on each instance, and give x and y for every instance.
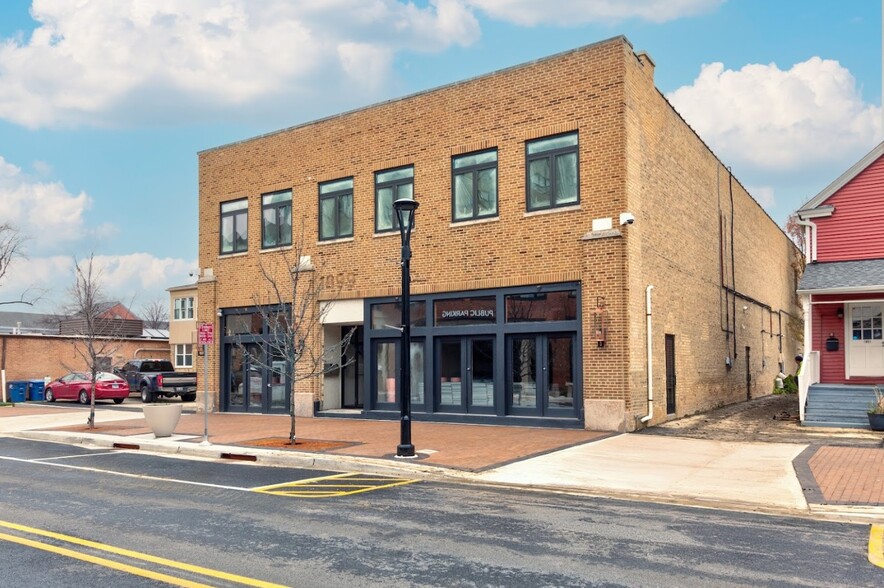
(529, 277)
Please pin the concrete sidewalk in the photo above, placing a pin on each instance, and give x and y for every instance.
(787, 478)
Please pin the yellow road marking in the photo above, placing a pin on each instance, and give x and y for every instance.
(317, 488)
(133, 554)
(876, 545)
(104, 562)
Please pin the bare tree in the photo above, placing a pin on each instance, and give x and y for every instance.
(292, 307)
(11, 249)
(796, 233)
(98, 338)
(155, 314)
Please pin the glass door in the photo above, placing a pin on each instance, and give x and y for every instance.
(386, 366)
(245, 377)
(465, 381)
(540, 372)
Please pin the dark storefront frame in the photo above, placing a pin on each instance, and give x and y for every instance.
(382, 355)
(238, 396)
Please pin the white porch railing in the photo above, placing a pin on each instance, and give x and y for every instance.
(808, 374)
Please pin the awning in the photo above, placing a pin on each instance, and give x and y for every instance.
(843, 277)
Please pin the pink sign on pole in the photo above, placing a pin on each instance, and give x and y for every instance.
(206, 334)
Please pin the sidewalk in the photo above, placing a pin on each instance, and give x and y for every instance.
(787, 478)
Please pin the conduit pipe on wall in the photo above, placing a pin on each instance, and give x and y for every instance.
(650, 356)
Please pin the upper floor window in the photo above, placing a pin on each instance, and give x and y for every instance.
(276, 219)
(474, 185)
(391, 185)
(183, 308)
(336, 209)
(234, 226)
(552, 172)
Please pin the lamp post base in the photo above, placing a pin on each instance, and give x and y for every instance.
(405, 451)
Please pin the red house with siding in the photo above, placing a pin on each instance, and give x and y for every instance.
(842, 292)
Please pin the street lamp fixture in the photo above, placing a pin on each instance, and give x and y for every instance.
(405, 208)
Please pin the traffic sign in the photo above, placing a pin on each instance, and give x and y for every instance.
(206, 334)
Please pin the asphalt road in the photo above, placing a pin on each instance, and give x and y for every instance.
(210, 527)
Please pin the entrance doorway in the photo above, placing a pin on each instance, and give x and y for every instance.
(865, 349)
(246, 377)
(465, 380)
(353, 360)
(540, 372)
(670, 374)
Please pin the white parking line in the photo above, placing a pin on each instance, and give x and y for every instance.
(75, 456)
(123, 474)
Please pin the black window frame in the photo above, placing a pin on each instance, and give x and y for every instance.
(474, 170)
(335, 195)
(277, 207)
(244, 212)
(396, 184)
(550, 155)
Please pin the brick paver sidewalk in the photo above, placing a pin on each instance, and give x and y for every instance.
(849, 475)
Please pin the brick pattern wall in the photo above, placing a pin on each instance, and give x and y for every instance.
(32, 357)
(636, 155)
(682, 244)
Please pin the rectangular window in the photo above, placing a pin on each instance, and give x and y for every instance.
(541, 307)
(184, 355)
(388, 315)
(552, 172)
(476, 310)
(336, 209)
(474, 186)
(183, 308)
(390, 186)
(276, 219)
(234, 226)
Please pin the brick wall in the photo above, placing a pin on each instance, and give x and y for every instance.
(636, 155)
(30, 357)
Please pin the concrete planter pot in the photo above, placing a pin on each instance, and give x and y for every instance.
(876, 421)
(162, 418)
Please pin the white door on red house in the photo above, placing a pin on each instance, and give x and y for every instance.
(865, 347)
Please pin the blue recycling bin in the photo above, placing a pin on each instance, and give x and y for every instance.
(35, 390)
(17, 391)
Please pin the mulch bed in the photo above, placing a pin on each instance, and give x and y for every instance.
(300, 444)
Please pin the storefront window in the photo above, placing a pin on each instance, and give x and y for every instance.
(388, 315)
(244, 324)
(541, 306)
(465, 311)
(386, 376)
(417, 375)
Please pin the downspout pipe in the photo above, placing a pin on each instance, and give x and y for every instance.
(809, 238)
(650, 356)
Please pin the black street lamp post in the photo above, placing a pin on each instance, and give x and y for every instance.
(405, 208)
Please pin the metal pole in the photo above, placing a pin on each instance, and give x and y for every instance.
(405, 449)
(206, 395)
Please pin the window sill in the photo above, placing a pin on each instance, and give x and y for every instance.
(387, 234)
(272, 249)
(571, 208)
(334, 241)
(475, 221)
(228, 255)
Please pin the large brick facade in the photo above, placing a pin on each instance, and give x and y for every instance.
(699, 239)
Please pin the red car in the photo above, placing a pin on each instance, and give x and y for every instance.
(77, 386)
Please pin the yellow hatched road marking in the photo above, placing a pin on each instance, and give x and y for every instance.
(352, 482)
(876, 545)
(126, 553)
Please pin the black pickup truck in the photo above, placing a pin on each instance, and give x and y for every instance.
(156, 377)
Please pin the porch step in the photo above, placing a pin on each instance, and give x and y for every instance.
(836, 405)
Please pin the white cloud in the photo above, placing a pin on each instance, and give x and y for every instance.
(105, 62)
(780, 120)
(44, 211)
(133, 279)
(576, 12)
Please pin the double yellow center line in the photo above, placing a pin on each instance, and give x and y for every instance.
(109, 563)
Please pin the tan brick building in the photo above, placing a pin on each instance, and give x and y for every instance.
(557, 198)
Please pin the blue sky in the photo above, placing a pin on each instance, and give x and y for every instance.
(104, 106)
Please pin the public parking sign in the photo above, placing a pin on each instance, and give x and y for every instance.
(206, 334)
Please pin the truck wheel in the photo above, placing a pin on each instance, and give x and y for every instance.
(188, 397)
(146, 395)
